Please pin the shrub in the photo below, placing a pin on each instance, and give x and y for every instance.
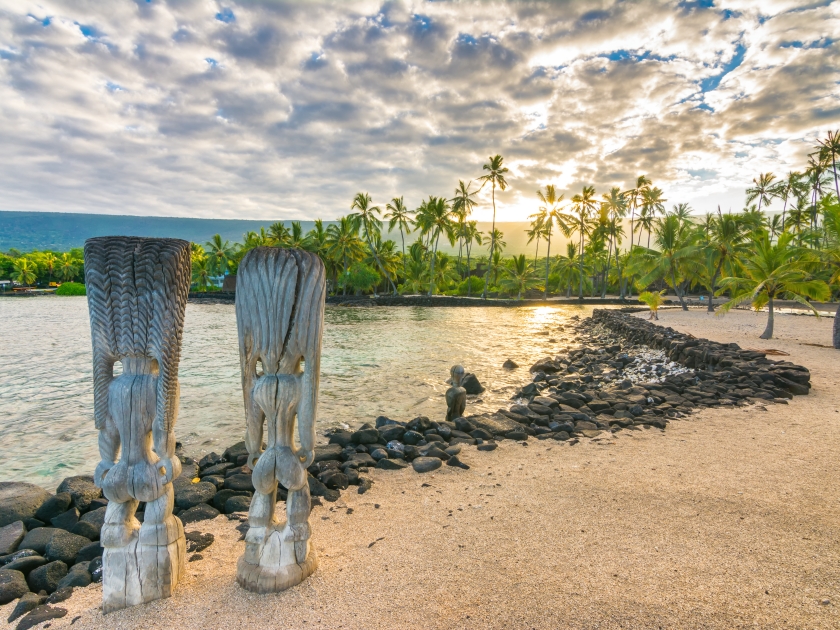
(477, 286)
(71, 288)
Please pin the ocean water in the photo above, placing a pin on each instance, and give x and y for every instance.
(375, 361)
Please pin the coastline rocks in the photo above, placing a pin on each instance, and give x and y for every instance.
(38, 539)
(55, 505)
(198, 542)
(196, 493)
(327, 452)
(47, 577)
(89, 552)
(426, 464)
(26, 564)
(20, 501)
(77, 576)
(10, 537)
(67, 520)
(27, 602)
(12, 585)
(200, 512)
(392, 464)
(510, 364)
(472, 385)
(81, 489)
(63, 546)
(221, 497)
(238, 482)
(39, 615)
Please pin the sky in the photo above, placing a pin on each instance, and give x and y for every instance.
(285, 110)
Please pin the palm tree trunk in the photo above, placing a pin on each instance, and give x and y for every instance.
(432, 268)
(379, 264)
(768, 332)
(677, 289)
(836, 331)
(784, 207)
(547, 262)
(492, 243)
(712, 288)
(402, 238)
(344, 277)
(607, 271)
(469, 279)
(580, 269)
(536, 253)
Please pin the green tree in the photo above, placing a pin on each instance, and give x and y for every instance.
(723, 245)
(614, 207)
(549, 214)
(344, 245)
(221, 254)
(495, 176)
(633, 197)
(437, 220)
(762, 189)
(518, 275)
(652, 202)
(470, 234)
(583, 205)
(462, 207)
(67, 267)
(399, 216)
(363, 278)
(24, 271)
(774, 271)
(367, 215)
(279, 234)
(654, 300)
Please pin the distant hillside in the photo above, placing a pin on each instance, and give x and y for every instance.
(62, 231)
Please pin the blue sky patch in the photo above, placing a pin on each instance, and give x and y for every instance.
(711, 83)
(226, 15)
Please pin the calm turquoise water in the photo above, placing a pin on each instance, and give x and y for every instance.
(376, 361)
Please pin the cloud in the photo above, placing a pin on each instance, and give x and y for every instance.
(287, 109)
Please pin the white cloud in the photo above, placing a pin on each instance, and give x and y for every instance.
(285, 110)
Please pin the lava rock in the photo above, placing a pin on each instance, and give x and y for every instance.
(426, 464)
(196, 493)
(11, 536)
(366, 436)
(64, 546)
(198, 542)
(453, 450)
(334, 479)
(434, 451)
(54, 506)
(412, 438)
(217, 480)
(47, 577)
(95, 568)
(20, 553)
(82, 490)
(382, 421)
(463, 425)
(215, 469)
(89, 552)
(201, 512)
(391, 464)
(318, 489)
(327, 452)
(471, 384)
(27, 602)
(211, 459)
(420, 424)
(454, 461)
(392, 432)
(79, 575)
(342, 438)
(481, 434)
(510, 364)
(39, 615)
(379, 453)
(26, 564)
(237, 504)
(12, 585)
(20, 501)
(490, 446)
(233, 453)
(239, 482)
(38, 539)
(62, 594)
(221, 497)
(67, 520)
(516, 435)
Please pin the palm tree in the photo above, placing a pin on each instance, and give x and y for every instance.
(296, 238)
(443, 272)
(791, 185)
(67, 269)
(831, 255)
(570, 268)
(279, 234)
(471, 235)
(368, 218)
(583, 205)
(499, 237)
(633, 196)
(316, 240)
(654, 300)
(398, 215)
(725, 243)
(830, 147)
(535, 233)
(496, 176)
(462, 207)
(518, 275)
(764, 190)
(774, 271)
(343, 244)
(549, 212)
(49, 261)
(652, 202)
(24, 271)
(221, 254)
(201, 272)
(615, 206)
(437, 221)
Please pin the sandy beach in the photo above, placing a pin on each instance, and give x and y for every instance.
(729, 518)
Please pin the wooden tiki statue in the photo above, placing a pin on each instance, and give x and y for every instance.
(137, 291)
(280, 316)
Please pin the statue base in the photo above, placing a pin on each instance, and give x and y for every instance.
(269, 567)
(140, 573)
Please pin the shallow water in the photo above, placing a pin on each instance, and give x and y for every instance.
(375, 361)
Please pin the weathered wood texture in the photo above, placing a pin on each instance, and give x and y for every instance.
(456, 396)
(280, 316)
(137, 291)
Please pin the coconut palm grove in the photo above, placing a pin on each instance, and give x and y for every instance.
(622, 243)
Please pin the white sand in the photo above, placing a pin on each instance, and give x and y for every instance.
(729, 518)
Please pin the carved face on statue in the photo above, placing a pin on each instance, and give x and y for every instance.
(457, 374)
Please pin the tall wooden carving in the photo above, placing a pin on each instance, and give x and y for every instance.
(137, 291)
(280, 315)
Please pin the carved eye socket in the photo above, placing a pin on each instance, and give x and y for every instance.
(302, 364)
(259, 369)
(118, 368)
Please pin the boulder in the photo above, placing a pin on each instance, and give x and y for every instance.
(39, 615)
(64, 546)
(79, 576)
(12, 585)
(489, 446)
(221, 497)
(420, 424)
(200, 512)
(81, 489)
(67, 520)
(196, 493)
(211, 459)
(391, 464)
(47, 577)
(198, 542)
(233, 453)
(510, 364)
(20, 501)
(28, 602)
(38, 539)
(26, 564)
(10, 537)
(20, 553)
(471, 384)
(55, 505)
(91, 523)
(392, 432)
(366, 436)
(89, 552)
(95, 568)
(327, 452)
(215, 469)
(342, 438)
(426, 464)
(238, 482)
(412, 437)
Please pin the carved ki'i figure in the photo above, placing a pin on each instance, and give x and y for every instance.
(456, 396)
(137, 291)
(280, 316)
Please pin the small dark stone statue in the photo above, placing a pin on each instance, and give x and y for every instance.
(456, 396)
